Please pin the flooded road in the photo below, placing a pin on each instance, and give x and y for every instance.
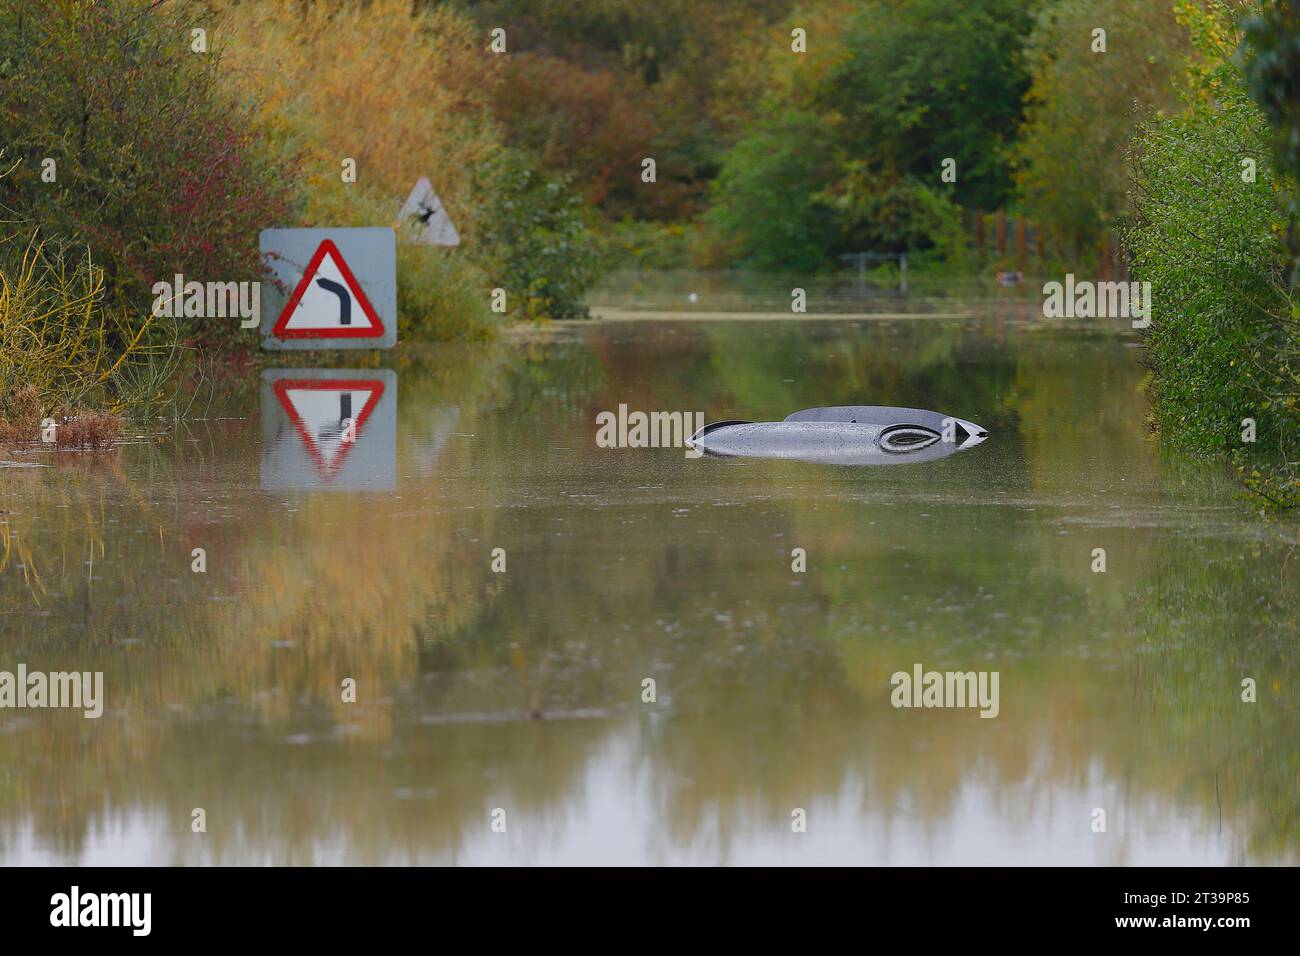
(516, 697)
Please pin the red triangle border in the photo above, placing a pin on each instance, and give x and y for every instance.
(281, 388)
(376, 329)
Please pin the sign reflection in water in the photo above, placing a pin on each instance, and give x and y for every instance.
(329, 429)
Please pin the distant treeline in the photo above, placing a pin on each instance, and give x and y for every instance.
(788, 133)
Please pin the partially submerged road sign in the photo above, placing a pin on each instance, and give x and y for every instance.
(328, 302)
(329, 288)
(329, 429)
(423, 215)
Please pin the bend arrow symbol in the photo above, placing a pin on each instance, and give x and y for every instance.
(345, 300)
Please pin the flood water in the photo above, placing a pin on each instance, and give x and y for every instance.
(479, 690)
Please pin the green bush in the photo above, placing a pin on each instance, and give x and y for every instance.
(156, 171)
(441, 294)
(847, 155)
(765, 210)
(895, 215)
(538, 247)
(1272, 57)
(925, 80)
(1083, 109)
(645, 245)
(1223, 341)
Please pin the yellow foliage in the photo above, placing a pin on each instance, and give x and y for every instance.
(1215, 32)
(404, 93)
(57, 342)
(1212, 24)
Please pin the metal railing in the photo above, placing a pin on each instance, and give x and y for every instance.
(862, 258)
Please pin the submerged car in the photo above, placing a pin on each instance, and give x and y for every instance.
(844, 435)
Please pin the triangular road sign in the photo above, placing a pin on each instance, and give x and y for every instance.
(328, 302)
(320, 409)
(423, 214)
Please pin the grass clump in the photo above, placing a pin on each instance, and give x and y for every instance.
(63, 351)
